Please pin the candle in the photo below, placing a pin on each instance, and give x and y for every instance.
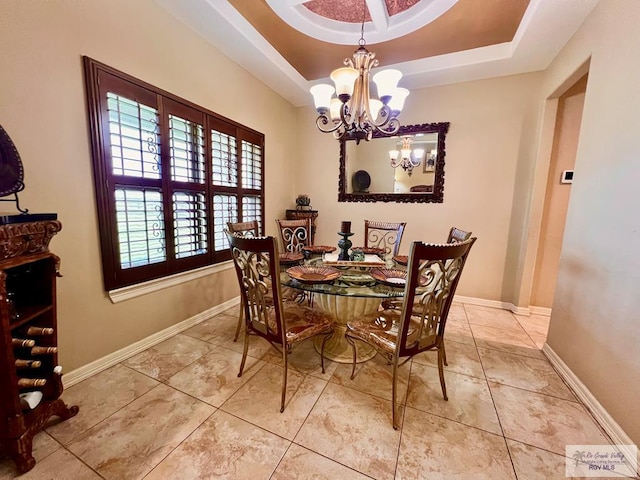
(345, 227)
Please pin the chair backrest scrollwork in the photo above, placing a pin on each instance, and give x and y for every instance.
(294, 234)
(384, 235)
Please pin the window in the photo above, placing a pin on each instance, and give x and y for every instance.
(169, 175)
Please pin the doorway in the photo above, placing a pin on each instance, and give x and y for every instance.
(558, 189)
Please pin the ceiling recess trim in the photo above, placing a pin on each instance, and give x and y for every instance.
(380, 29)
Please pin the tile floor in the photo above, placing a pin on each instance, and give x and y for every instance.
(179, 411)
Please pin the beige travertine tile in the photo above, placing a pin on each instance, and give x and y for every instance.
(354, 429)
(214, 328)
(303, 359)
(469, 398)
(534, 323)
(131, 442)
(457, 313)
(258, 400)
(535, 464)
(459, 332)
(299, 463)
(213, 378)
(493, 317)
(373, 377)
(542, 421)
(505, 340)
(461, 358)
(43, 446)
(60, 465)
(223, 447)
(435, 448)
(524, 372)
(221, 329)
(539, 340)
(98, 397)
(169, 357)
(258, 347)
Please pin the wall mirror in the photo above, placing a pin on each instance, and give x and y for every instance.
(406, 167)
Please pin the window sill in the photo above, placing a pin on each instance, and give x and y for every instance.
(126, 293)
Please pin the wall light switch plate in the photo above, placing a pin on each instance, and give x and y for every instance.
(567, 176)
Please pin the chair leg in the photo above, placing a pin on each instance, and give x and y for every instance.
(394, 393)
(441, 372)
(240, 322)
(245, 349)
(284, 378)
(324, 341)
(354, 348)
(444, 355)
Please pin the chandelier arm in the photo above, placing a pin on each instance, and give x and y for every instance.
(346, 115)
(387, 118)
(324, 120)
(389, 126)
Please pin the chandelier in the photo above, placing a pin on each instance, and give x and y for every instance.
(406, 157)
(354, 115)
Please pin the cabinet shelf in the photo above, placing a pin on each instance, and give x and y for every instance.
(28, 313)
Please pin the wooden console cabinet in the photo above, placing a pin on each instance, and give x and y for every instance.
(28, 335)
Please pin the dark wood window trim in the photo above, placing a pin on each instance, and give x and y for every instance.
(170, 192)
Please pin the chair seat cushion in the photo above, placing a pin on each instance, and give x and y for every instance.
(381, 329)
(302, 322)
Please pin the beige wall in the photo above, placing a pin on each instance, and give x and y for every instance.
(42, 107)
(483, 151)
(594, 325)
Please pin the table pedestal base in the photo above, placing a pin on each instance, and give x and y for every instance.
(344, 309)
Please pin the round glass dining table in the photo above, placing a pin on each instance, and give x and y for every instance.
(354, 294)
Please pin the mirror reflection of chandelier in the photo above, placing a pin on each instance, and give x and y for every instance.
(406, 157)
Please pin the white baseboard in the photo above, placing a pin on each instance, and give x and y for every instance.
(84, 372)
(503, 305)
(540, 311)
(481, 302)
(618, 436)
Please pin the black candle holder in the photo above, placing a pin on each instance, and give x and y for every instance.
(344, 244)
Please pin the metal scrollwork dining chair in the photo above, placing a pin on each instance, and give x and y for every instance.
(455, 235)
(385, 236)
(283, 324)
(246, 229)
(252, 229)
(294, 234)
(399, 334)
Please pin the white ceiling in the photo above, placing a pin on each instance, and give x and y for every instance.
(546, 27)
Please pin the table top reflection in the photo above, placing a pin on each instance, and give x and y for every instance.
(352, 282)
